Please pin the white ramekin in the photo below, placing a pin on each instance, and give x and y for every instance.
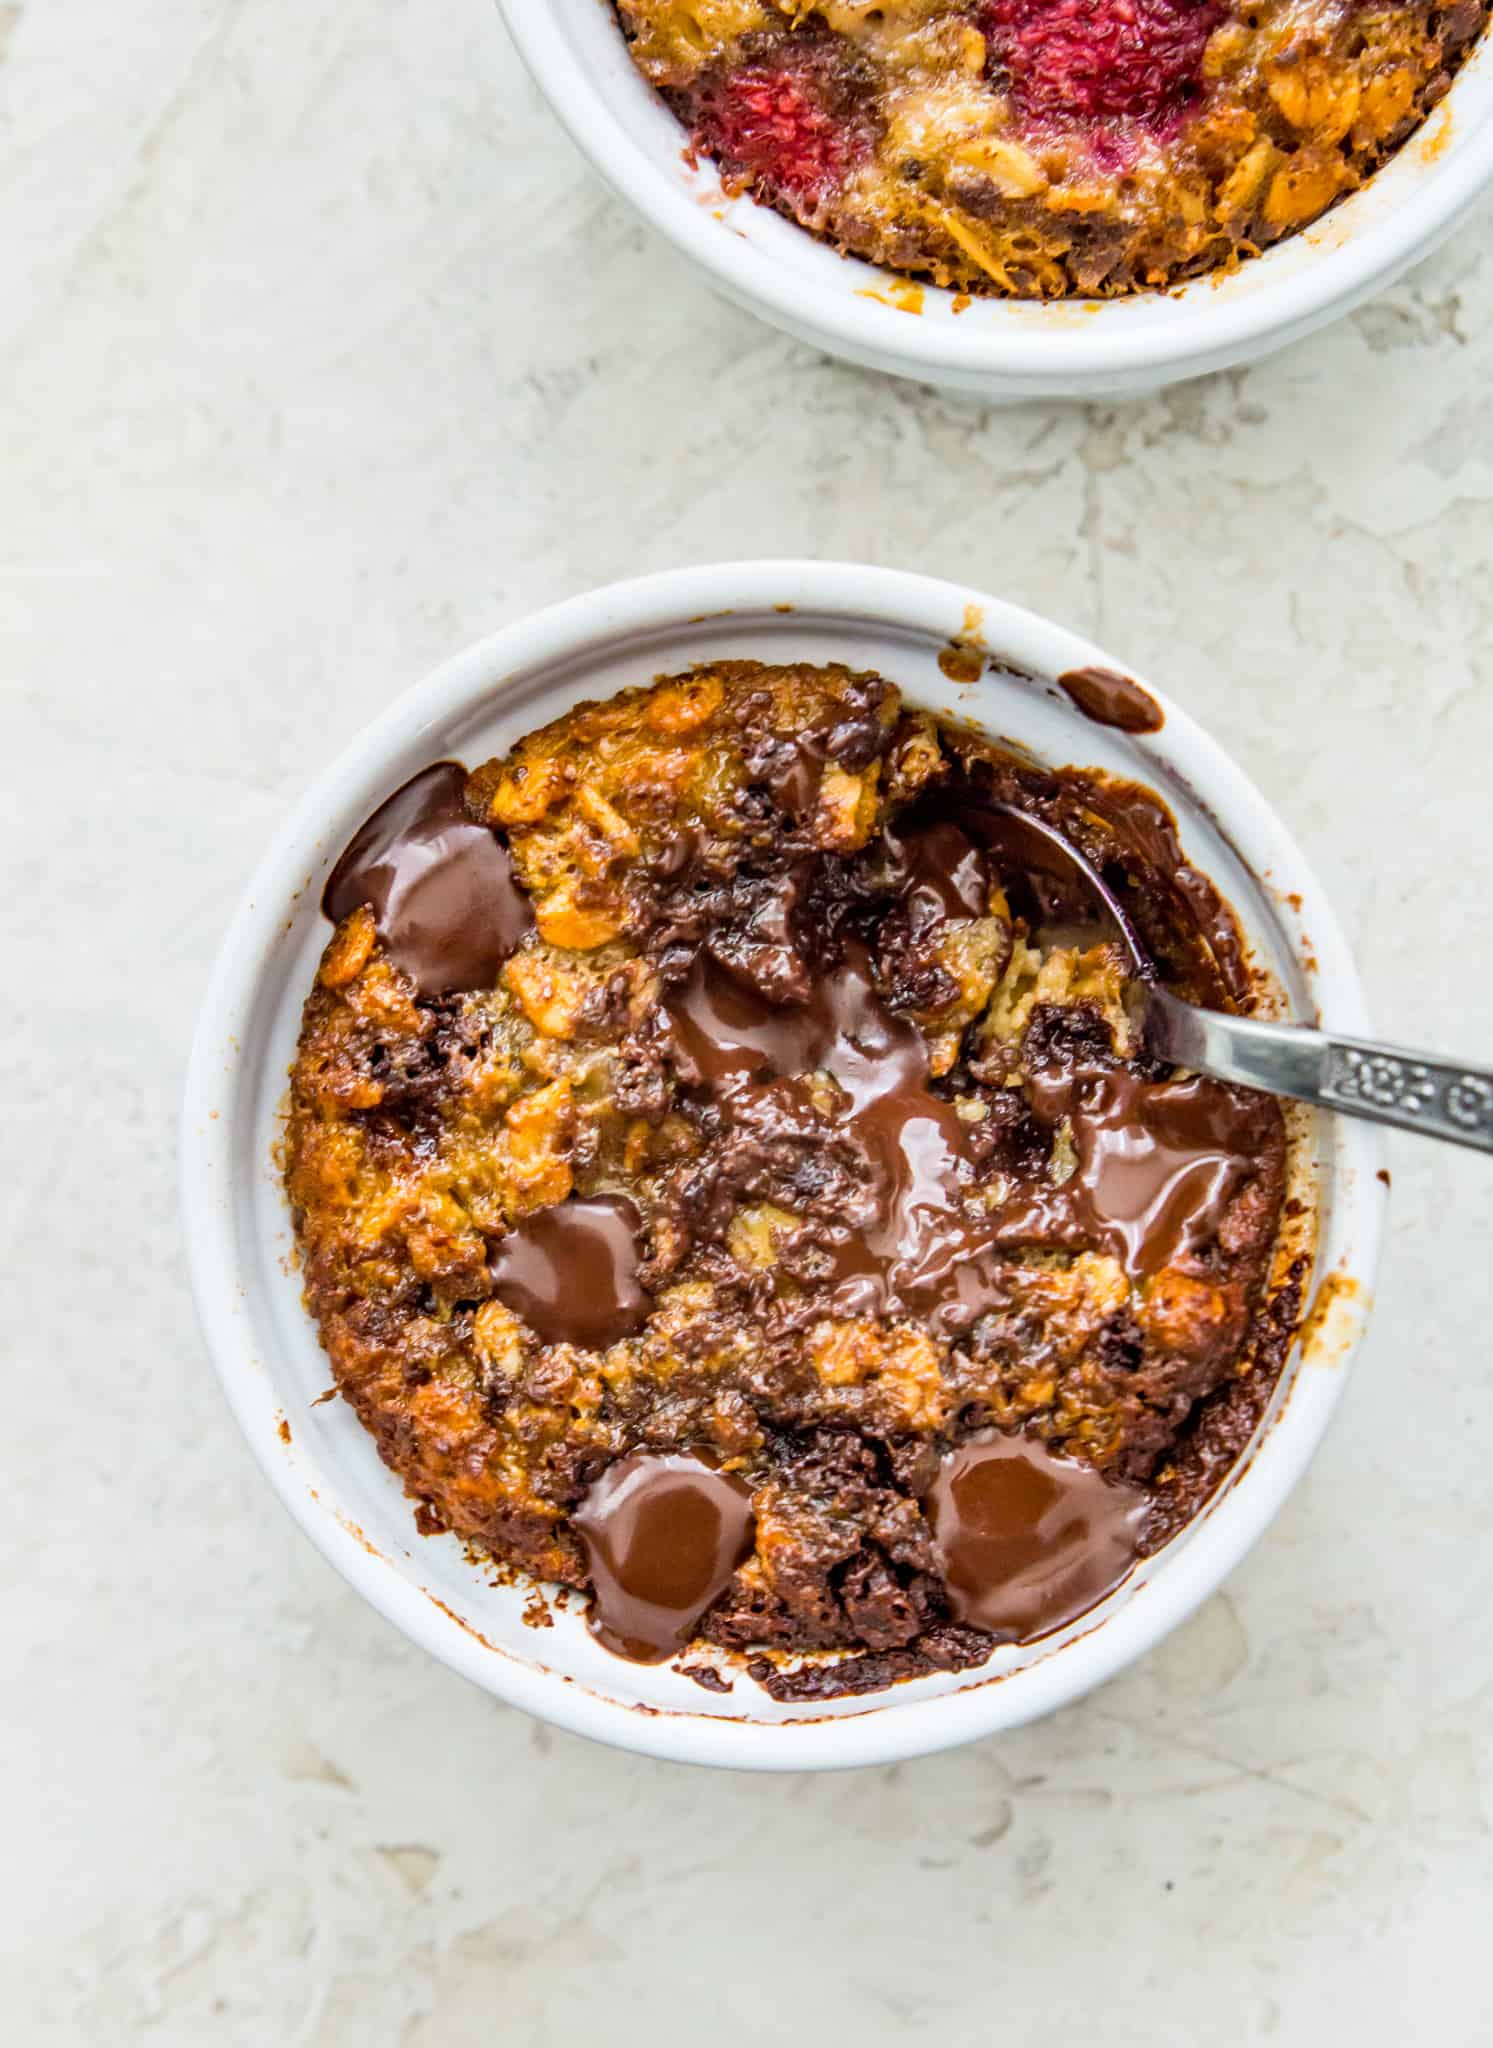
(319, 1459)
(997, 350)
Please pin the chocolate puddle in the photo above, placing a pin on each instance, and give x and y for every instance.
(937, 872)
(1157, 1164)
(571, 1272)
(1027, 1540)
(663, 1535)
(903, 1243)
(441, 888)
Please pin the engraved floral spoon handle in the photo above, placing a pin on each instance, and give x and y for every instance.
(1382, 1083)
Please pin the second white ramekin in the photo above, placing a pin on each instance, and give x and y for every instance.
(1001, 350)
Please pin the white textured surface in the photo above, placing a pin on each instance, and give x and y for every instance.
(319, 355)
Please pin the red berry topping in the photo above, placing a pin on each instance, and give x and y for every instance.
(777, 125)
(1092, 58)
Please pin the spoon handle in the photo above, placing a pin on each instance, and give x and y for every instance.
(1383, 1083)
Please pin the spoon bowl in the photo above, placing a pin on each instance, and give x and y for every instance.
(1383, 1084)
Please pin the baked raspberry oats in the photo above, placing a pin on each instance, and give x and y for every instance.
(727, 1182)
(1036, 148)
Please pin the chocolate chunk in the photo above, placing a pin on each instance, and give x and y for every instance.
(440, 886)
(1028, 1540)
(663, 1535)
(571, 1272)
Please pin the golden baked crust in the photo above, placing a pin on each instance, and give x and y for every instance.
(737, 818)
(1037, 148)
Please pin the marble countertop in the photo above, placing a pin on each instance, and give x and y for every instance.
(321, 354)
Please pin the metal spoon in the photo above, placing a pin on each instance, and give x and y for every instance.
(1381, 1083)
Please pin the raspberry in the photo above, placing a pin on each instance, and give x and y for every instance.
(774, 125)
(1141, 58)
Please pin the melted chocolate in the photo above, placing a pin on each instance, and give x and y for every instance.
(790, 770)
(1157, 1164)
(790, 766)
(571, 1272)
(440, 886)
(937, 872)
(677, 854)
(1027, 1540)
(1110, 699)
(723, 1031)
(908, 1240)
(911, 1229)
(663, 1536)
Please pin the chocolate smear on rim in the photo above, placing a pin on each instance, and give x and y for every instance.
(663, 1535)
(1107, 698)
(441, 886)
(571, 1272)
(1028, 1541)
